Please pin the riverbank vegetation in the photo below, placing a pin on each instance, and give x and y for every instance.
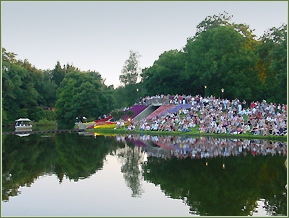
(45, 122)
(221, 55)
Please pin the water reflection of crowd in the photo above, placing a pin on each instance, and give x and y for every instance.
(204, 147)
(215, 115)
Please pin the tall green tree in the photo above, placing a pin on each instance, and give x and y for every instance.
(47, 89)
(8, 56)
(130, 70)
(272, 65)
(81, 94)
(211, 22)
(221, 58)
(20, 97)
(168, 72)
(127, 92)
(58, 74)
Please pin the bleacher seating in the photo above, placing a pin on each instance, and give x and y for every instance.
(137, 109)
(179, 107)
(161, 110)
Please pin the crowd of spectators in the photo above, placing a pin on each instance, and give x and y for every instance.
(215, 115)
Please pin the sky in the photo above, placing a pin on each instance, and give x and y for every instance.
(98, 35)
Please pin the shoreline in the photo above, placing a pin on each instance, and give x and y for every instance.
(192, 134)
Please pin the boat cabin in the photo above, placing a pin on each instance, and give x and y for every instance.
(23, 124)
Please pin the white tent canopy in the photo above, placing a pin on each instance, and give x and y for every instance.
(23, 119)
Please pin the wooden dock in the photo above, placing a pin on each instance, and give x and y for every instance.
(43, 131)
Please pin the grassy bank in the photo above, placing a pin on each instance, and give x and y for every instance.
(45, 122)
(193, 133)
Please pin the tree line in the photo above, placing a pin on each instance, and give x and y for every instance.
(224, 55)
(221, 55)
(60, 94)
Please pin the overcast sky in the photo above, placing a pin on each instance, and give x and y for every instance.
(99, 35)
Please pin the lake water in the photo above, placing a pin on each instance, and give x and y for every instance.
(139, 175)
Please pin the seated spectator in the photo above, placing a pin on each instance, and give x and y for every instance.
(131, 127)
(255, 130)
(275, 130)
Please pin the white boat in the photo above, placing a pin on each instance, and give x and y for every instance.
(23, 125)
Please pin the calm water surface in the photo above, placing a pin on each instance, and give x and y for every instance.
(140, 175)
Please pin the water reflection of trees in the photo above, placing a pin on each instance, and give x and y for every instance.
(79, 157)
(130, 157)
(23, 161)
(27, 158)
(192, 169)
(185, 168)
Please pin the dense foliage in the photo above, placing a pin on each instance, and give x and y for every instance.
(61, 94)
(26, 91)
(81, 94)
(272, 53)
(168, 72)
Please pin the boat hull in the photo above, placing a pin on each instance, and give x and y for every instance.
(23, 128)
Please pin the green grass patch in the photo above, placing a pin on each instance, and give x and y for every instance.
(193, 133)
